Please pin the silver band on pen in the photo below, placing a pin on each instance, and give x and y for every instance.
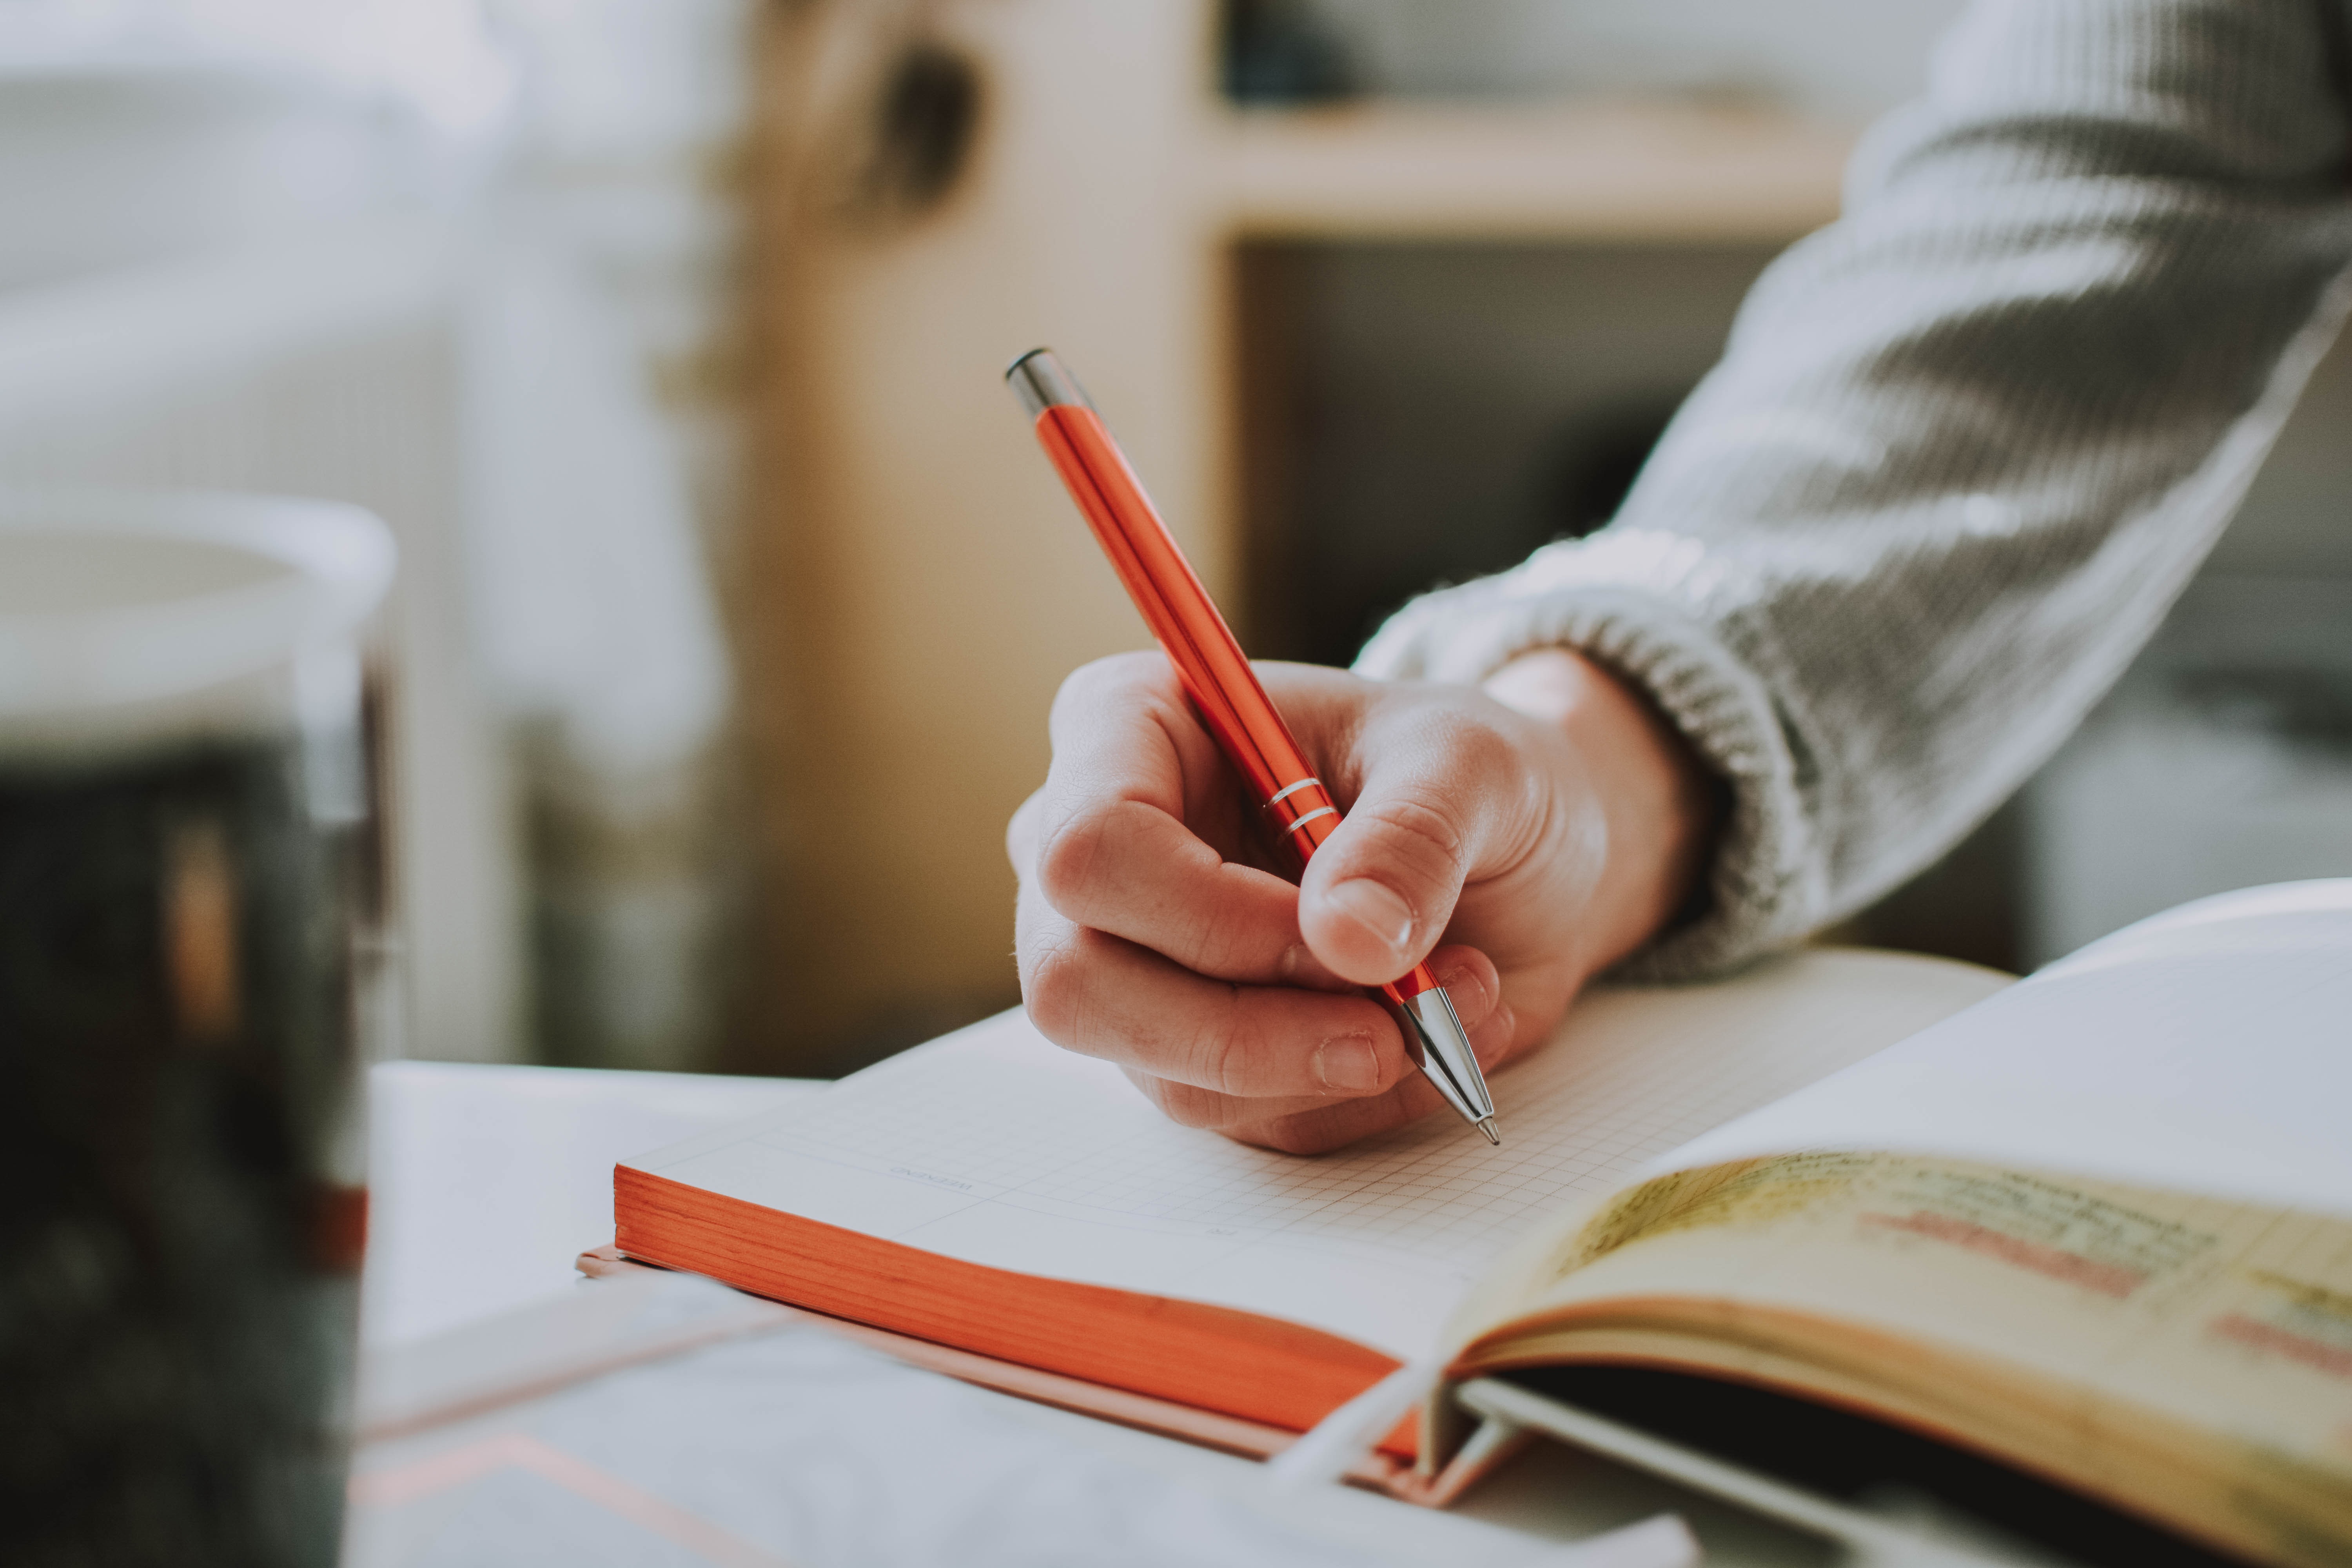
(1291, 789)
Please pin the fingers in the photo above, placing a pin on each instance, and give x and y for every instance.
(1442, 799)
(1105, 996)
(1131, 871)
(1293, 1127)
(1272, 1091)
(1146, 938)
(1316, 1129)
(1121, 731)
(1110, 841)
(1137, 831)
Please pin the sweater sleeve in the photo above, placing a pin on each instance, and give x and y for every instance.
(1965, 446)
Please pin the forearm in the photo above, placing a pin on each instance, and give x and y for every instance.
(1965, 448)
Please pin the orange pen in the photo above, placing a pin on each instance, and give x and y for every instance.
(1225, 690)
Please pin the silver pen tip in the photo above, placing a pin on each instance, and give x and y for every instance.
(1487, 1127)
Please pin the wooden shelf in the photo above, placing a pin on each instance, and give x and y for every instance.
(915, 584)
(1607, 170)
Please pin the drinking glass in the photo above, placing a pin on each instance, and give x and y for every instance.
(187, 875)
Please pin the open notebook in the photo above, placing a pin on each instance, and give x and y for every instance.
(992, 1193)
(2095, 1226)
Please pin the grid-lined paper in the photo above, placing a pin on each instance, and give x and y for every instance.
(994, 1146)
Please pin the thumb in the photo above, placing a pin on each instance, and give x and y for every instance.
(1377, 896)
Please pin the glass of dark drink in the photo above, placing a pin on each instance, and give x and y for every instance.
(187, 880)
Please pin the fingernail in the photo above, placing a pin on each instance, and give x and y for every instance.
(1347, 1064)
(1492, 1040)
(1468, 999)
(1377, 908)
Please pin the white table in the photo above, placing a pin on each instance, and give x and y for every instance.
(485, 1182)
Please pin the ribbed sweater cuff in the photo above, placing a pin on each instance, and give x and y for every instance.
(1765, 886)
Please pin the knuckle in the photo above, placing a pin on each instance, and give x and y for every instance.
(1286, 1139)
(1417, 815)
(1295, 1134)
(1107, 677)
(1206, 944)
(1417, 830)
(1221, 1052)
(1068, 851)
(1021, 833)
(1215, 943)
(1185, 1104)
(1480, 749)
(1054, 987)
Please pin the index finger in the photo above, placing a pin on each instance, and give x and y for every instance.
(1121, 731)
(1115, 841)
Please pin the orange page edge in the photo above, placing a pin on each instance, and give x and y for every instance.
(1378, 1472)
(1222, 1362)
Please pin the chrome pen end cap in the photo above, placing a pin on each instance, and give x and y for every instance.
(1042, 381)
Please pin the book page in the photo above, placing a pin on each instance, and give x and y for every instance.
(2191, 1354)
(995, 1147)
(2208, 1050)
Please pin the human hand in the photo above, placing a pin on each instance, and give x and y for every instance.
(1519, 836)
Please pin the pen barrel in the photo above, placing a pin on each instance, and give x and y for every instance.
(1302, 815)
(1405, 988)
(1215, 673)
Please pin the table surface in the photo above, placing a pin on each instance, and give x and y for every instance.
(485, 1182)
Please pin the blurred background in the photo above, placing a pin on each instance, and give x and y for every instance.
(667, 336)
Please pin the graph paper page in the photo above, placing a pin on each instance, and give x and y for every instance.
(993, 1146)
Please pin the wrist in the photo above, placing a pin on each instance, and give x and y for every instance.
(1657, 804)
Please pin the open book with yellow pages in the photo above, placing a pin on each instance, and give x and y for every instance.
(2096, 1226)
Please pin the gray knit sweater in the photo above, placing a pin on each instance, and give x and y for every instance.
(1966, 445)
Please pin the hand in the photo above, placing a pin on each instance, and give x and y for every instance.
(1521, 837)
